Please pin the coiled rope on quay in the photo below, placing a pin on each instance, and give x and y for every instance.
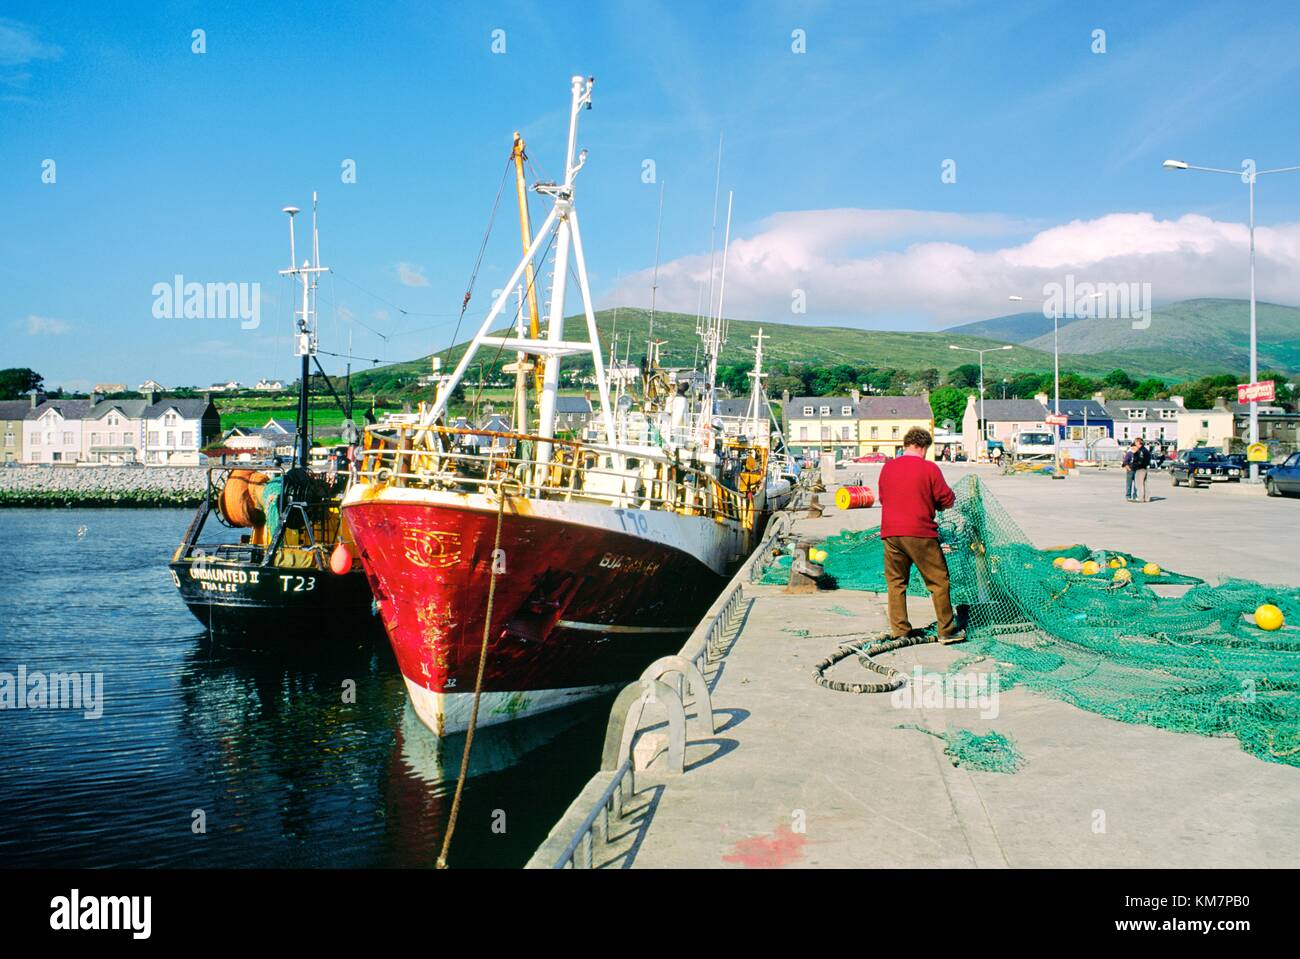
(875, 644)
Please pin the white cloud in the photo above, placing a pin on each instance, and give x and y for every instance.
(19, 45)
(45, 326)
(411, 275)
(913, 268)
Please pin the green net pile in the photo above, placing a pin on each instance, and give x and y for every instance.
(1107, 643)
(989, 752)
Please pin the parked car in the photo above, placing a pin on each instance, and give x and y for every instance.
(1239, 461)
(872, 458)
(1285, 478)
(1201, 467)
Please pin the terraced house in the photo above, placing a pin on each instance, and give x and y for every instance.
(53, 430)
(883, 421)
(822, 424)
(12, 413)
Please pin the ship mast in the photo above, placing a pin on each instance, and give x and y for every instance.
(563, 219)
(305, 335)
(714, 334)
(757, 394)
(518, 155)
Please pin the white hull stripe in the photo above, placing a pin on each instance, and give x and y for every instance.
(447, 713)
(602, 628)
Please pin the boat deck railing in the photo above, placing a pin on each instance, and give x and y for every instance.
(486, 462)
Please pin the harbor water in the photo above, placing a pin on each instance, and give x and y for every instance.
(300, 753)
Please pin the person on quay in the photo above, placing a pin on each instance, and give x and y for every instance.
(912, 490)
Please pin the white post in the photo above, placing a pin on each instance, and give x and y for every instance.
(1253, 474)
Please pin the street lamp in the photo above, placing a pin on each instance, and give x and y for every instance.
(1056, 371)
(991, 349)
(1248, 176)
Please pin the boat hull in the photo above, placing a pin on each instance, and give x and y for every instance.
(585, 597)
(279, 604)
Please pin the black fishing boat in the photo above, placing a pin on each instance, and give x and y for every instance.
(288, 569)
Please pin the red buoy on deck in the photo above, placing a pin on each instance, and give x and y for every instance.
(855, 497)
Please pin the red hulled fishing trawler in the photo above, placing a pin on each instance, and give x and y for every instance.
(577, 561)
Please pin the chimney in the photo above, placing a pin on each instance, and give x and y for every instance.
(1099, 396)
(856, 394)
(154, 396)
(1177, 401)
(38, 397)
(1041, 397)
(1220, 403)
(94, 397)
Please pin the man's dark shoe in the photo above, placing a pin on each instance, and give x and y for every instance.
(951, 638)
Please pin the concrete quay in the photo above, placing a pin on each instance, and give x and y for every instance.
(801, 776)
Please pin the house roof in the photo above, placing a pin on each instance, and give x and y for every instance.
(14, 409)
(572, 404)
(1012, 411)
(1118, 409)
(1080, 408)
(836, 403)
(274, 425)
(894, 408)
(132, 409)
(736, 407)
(191, 409)
(68, 409)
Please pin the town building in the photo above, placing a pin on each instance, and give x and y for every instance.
(113, 432)
(12, 414)
(822, 424)
(54, 430)
(572, 414)
(1155, 421)
(1212, 427)
(175, 430)
(1087, 421)
(1279, 429)
(1003, 419)
(274, 438)
(883, 421)
(150, 386)
(269, 386)
(103, 389)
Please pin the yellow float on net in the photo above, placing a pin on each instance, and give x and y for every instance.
(1058, 562)
(817, 555)
(1090, 568)
(1268, 617)
(1118, 562)
(1122, 576)
(1151, 569)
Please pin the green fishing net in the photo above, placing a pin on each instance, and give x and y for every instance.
(989, 752)
(1116, 643)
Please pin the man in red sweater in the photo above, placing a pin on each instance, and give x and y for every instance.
(912, 489)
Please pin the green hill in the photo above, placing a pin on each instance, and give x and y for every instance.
(787, 342)
(1185, 341)
(1201, 335)
(1015, 328)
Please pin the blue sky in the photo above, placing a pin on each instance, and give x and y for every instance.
(173, 162)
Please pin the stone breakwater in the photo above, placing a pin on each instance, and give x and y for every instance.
(102, 486)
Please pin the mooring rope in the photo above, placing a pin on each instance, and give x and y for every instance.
(482, 666)
(874, 645)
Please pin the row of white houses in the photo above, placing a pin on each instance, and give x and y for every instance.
(155, 431)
